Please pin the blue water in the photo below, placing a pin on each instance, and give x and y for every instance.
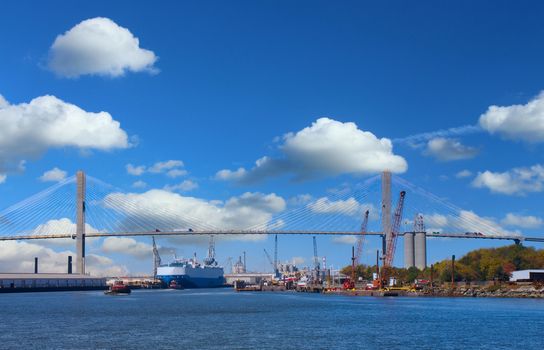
(223, 319)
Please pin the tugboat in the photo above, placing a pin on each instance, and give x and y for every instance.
(174, 285)
(118, 288)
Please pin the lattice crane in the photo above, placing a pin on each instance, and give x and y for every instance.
(395, 228)
(361, 239)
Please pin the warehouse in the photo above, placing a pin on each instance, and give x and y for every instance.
(527, 276)
(48, 281)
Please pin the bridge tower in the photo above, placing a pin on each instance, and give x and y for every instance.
(80, 223)
(386, 210)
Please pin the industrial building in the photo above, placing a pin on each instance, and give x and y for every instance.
(527, 276)
(248, 278)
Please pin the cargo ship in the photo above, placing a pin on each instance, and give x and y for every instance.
(190, 273)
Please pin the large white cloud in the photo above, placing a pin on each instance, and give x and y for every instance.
(128, 246)
(445, 149)
(517, 181)
(326, 148)
(518, 122)
(62, 226)
(29, 129)
(19, 257)
(99, 46)
(162, 209)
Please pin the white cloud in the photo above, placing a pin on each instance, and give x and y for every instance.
(98, 46)
(445, 149)
(465, 221)
(326, 148)
(19, 257)
(135, 170)
(517, 122)
(139, 184)
(529, 222)
(54, 175)
(351, 240)
(300, 199)
(3, 178)
(230, 175)
(59, 227)
(127, 246)
(350, 207)
(161, 167)
(3, 102)
(167, 210)
(30, 129)
(416, 139)
(185, 186)
(463, 174)
(518, 181)
(176, 173)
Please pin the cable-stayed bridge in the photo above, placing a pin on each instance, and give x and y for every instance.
(83, 207)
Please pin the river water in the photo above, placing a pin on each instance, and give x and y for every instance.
(223, 319)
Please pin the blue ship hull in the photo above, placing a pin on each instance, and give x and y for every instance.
(194, 282)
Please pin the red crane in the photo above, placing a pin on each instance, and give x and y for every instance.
(361, 239)
(395, 228)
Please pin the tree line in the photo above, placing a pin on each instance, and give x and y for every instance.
(484, 264)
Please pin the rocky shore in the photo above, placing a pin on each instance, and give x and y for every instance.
(495, 291)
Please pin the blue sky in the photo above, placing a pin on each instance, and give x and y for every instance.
(227, 80)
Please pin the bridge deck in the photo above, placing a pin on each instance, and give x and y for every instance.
(263, 232)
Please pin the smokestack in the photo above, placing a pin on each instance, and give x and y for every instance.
(70, 264)
(36, 265)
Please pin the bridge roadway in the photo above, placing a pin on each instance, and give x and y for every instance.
(516, 239)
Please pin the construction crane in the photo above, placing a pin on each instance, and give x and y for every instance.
(395, 228)
(316, 261)
(276, 272)
(361, 239)
(274, 266)
(156, 258)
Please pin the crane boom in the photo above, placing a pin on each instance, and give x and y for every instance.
(156, 258)
(361, 239)
(316, 259)
(270, 260)
(395, 228)
(276, 255)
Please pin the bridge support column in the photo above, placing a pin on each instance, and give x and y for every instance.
(409, 250)
(421, 250)
(386, 210)
(80, 223)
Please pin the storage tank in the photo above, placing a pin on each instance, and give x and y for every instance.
(409, 250)
(421, 250)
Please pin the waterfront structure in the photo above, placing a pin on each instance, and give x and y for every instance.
(50, 281)
(527, 276)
